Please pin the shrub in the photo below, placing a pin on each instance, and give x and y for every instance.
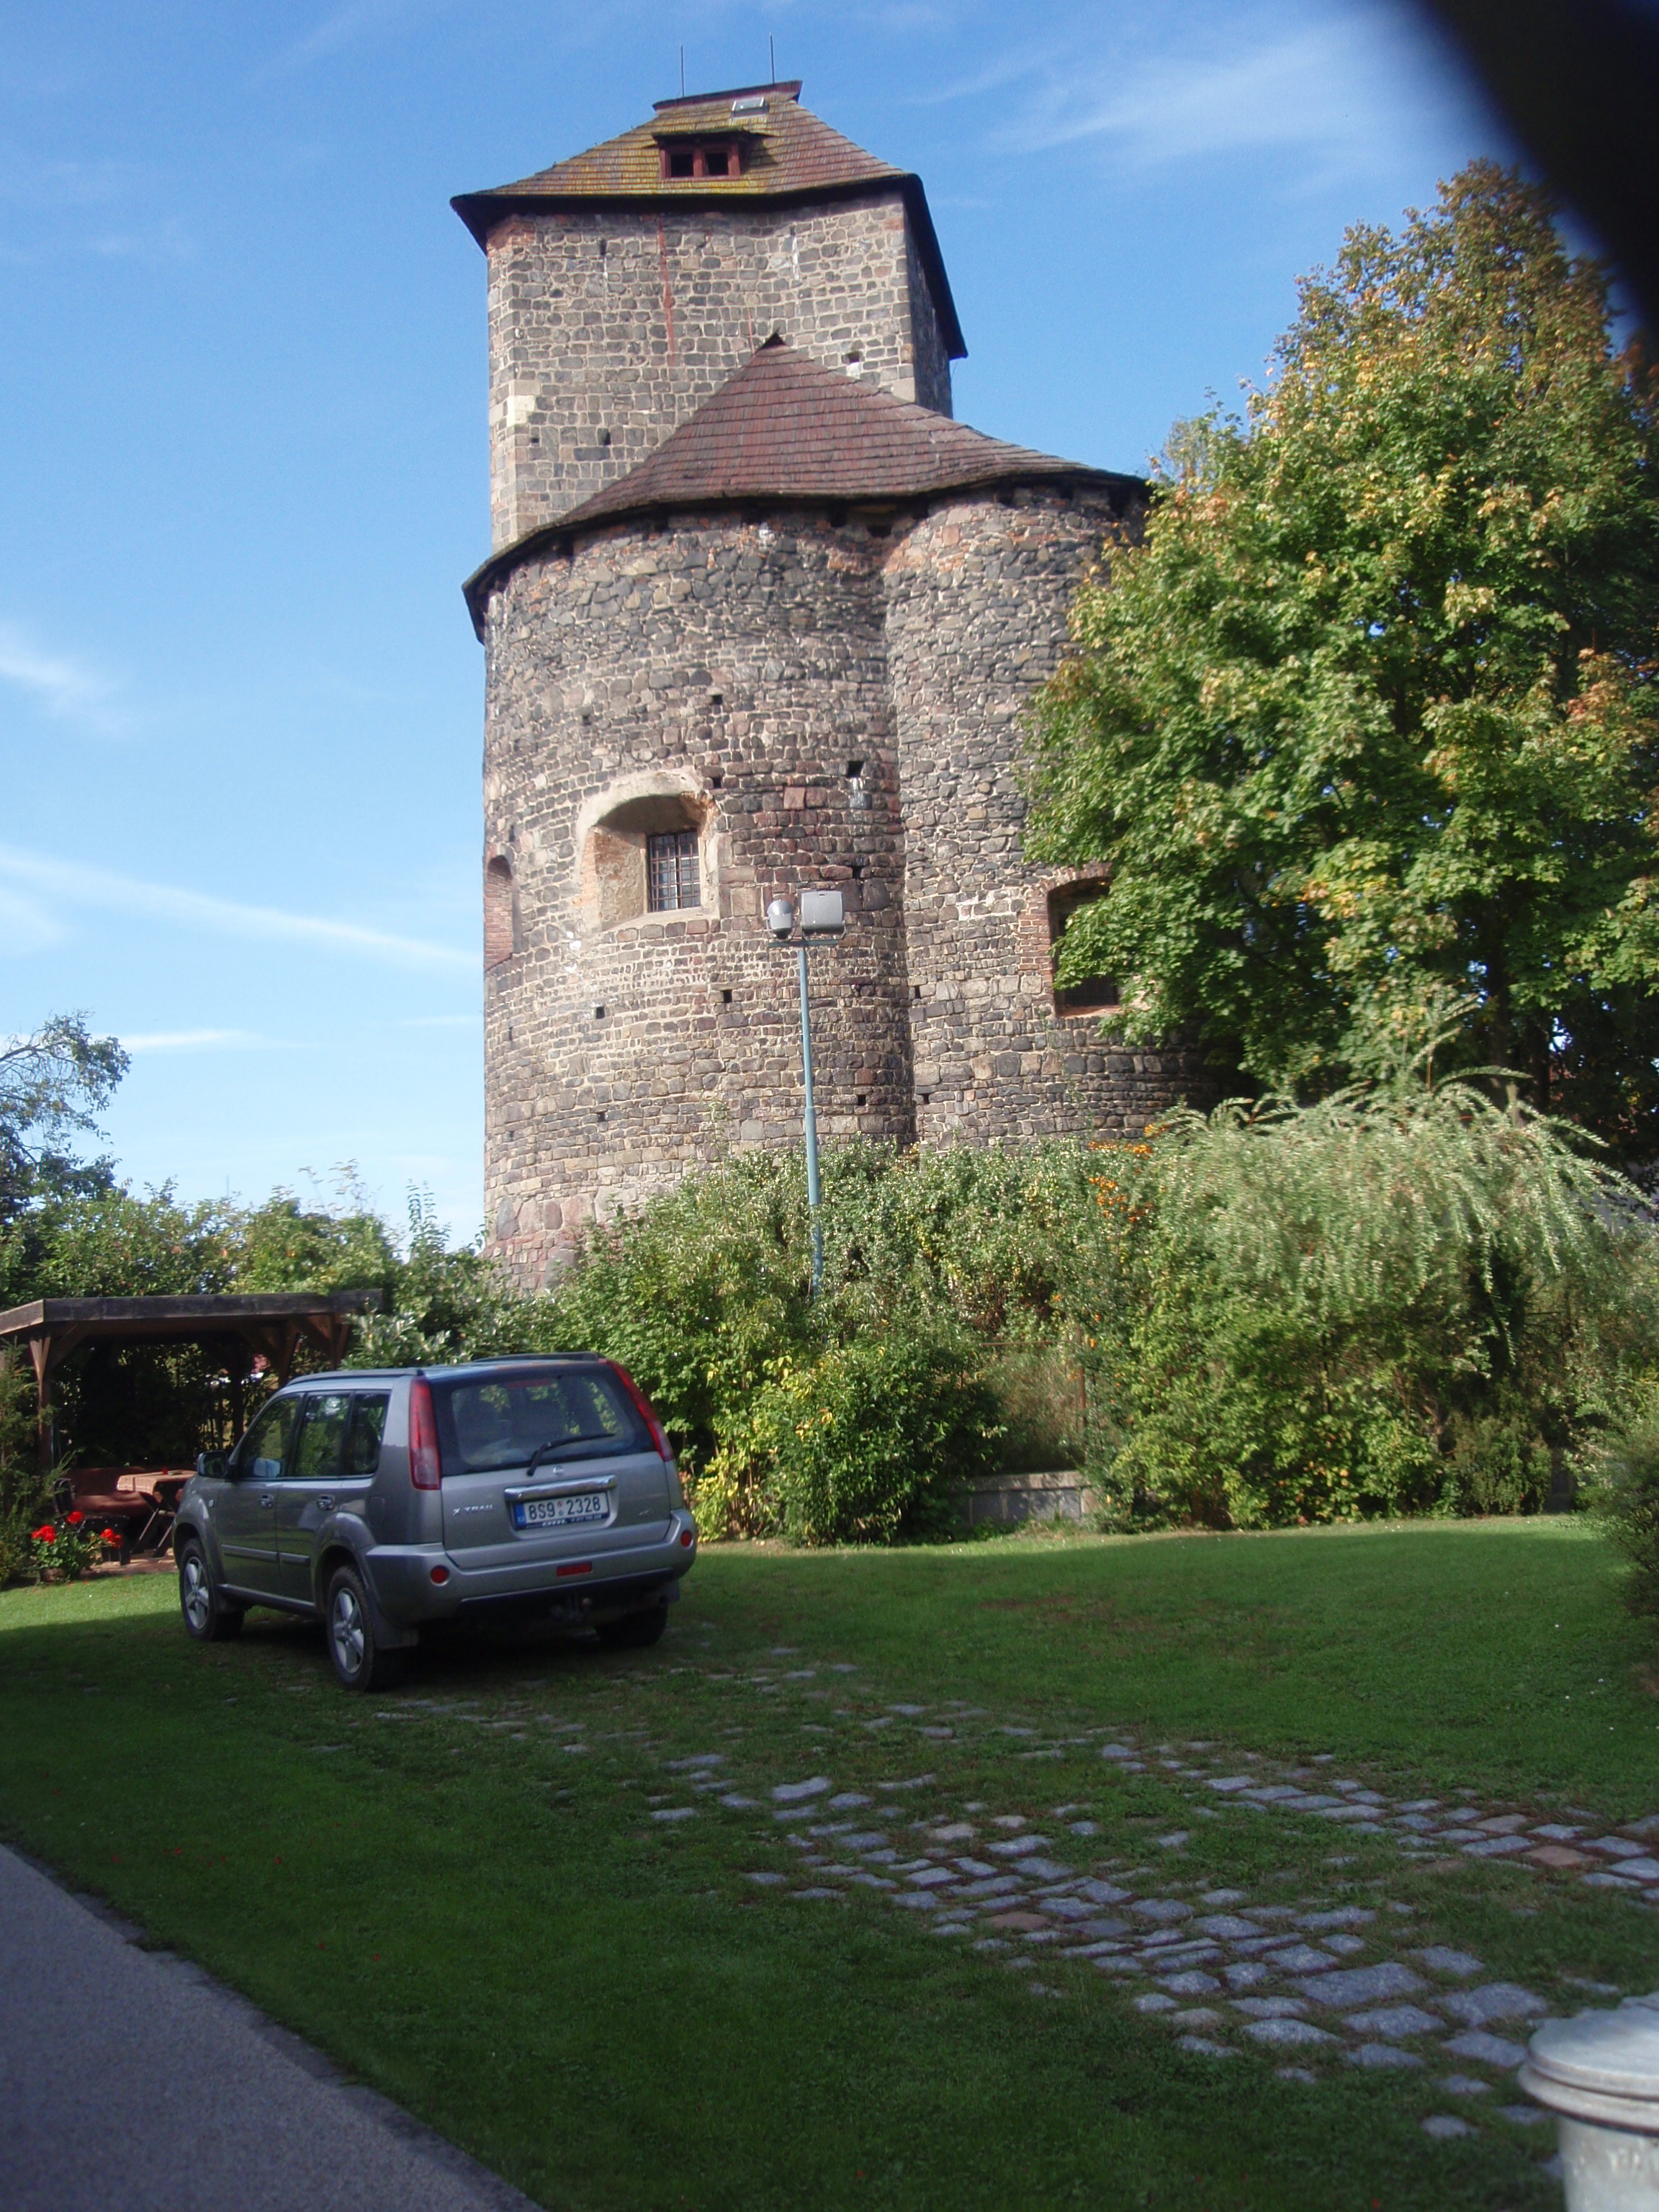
(1403, 1298)
(696, 1295)
(867, 1444)
(1628, 1466)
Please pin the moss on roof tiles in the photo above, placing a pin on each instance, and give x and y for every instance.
(788, 148)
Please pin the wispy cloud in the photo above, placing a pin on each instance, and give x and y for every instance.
(67, 690)
(1334, 85)
(104, 208)
(345, 27)
(67, 886)
(155, 243)
(195, 1040)
(25, 925)
(58, 184)
(995, 76)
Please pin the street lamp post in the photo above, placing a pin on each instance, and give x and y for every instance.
(823, 919)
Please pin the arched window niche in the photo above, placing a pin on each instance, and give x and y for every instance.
(1092, 994)
(503, 932)
(646, 853)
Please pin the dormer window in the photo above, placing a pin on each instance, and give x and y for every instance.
(701, 158)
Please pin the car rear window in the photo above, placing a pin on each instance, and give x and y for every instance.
(567, 1412)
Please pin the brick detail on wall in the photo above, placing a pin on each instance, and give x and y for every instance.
(501, 920)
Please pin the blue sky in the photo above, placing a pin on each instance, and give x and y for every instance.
(243, 454)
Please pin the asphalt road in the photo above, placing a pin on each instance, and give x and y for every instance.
(130, 2082)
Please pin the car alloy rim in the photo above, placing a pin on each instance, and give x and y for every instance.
(348, 1632)
(197, 1600)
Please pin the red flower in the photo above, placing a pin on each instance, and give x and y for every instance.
(109, 1536)
(75, 1519)
(46, 1535)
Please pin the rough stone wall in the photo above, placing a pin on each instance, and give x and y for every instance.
(823, 706)
(731, 671)
(933, 363)
(610, 327)
(977, 595)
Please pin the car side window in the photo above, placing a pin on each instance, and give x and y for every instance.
(267, 1444)
(362, 1454)
(320, 1455)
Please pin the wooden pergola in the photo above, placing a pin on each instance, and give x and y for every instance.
(272, 1327)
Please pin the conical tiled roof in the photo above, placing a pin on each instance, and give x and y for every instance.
(784, 429)
(788, 153)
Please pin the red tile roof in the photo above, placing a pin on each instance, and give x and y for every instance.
(784, 429)
(789, 153)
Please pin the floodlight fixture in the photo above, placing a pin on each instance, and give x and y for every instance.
(823, 914)
(780, 920)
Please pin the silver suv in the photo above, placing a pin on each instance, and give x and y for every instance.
(381, 1500)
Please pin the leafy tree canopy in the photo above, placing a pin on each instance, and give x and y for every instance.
(1367, 728)
(54, 1084)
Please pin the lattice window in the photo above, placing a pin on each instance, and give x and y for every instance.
(670, 868)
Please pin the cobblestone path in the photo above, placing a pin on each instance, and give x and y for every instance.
(1315, 1982)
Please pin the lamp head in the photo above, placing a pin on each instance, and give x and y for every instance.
(823, 914)
(780, 920)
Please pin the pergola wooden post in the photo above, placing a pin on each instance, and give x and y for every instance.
(274, 1327)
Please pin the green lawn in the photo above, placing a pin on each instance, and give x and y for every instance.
(487, 1924)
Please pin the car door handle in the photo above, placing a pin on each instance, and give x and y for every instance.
(268, 1498)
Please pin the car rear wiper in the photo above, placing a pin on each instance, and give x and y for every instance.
(561, 1444)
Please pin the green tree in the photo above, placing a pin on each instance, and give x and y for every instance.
(54, 1084)
(1366, 727)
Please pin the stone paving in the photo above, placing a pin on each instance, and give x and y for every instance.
(1313, 1985)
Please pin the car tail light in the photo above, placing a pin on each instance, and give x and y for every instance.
(440, 1574)
(643, 1406)
(423, 1436)
(688, 1537)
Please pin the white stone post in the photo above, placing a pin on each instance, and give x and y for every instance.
(1599, 2073)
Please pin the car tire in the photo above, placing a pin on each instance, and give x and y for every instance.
(358, 1661)
(635, 1631)
(208, 1615)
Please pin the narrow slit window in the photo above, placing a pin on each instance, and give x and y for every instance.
(671, 864)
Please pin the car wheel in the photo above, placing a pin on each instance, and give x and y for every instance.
(635, 1631)
(358, 1661)
(207, 1617)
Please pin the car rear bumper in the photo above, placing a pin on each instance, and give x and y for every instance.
(608, 1582)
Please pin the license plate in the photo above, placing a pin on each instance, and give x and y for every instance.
(558, 1512)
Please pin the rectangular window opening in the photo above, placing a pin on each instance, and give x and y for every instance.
(671, 862)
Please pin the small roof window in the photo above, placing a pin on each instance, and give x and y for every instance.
(700, 157)
(752, 103)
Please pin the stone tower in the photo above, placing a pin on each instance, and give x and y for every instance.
(759, 614)
(626, 283)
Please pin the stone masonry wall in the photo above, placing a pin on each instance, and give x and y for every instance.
(977, 596)
(825, 705)
(610, 327)
(733, 672)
